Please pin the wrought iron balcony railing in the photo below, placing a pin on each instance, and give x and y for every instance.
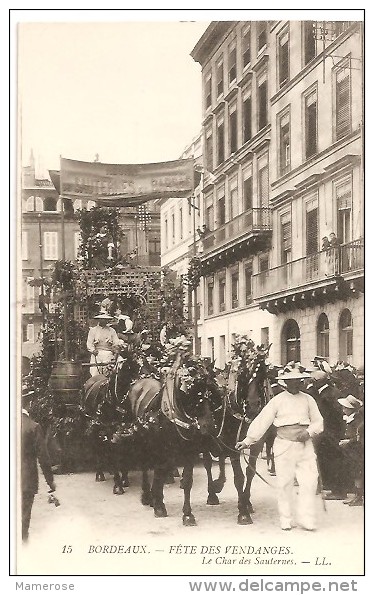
(253, 221)
(342, 260)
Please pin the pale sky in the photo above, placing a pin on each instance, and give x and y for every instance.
(128, 91)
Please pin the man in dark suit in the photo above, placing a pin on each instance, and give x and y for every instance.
(33, 449)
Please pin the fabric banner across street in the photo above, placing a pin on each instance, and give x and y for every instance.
(126, 185)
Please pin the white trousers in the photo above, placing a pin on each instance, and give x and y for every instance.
(103, 357)
(296, 460)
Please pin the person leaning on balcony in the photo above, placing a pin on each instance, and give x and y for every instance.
(102, 342)
(297, 419)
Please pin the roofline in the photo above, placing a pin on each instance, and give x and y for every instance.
(209, 38)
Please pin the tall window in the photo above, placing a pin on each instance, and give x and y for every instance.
(30, 205)
(209, 150)
(209, 213)
(284, 144)
(38, 204)
(221, 206)
(222, 351)
(346, 336)
(343, 122)
(154, 251)
(312, 230)
(284, 57)
(262, 103)
(323, 330)
(235, 287)
(290, 342)
(310, 50)
(210, 295)
(234, 198)
(173, 227)
(247, 117)
(30, 333)
(263, 181)
(29, 296)
(265, 336)
(246, 47)
(286, 239)
(181, 222)
(248, 272)
(211, 348)
(24, 245)
(220, 140)
(311, 132)
(344, 214)
(261, 34)
(208, 91)
(248, 193)
(222, 291)
(166, 233)
(233, 128)
(50, 245)
(219, 77)
(232, 63)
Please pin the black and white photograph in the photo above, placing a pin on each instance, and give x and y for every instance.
(190, 314)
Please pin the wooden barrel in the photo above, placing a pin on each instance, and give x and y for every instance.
(65, 381)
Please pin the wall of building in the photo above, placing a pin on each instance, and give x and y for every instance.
(307, 322)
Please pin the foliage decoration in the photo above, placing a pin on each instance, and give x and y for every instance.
(100, 228)
(194, 273)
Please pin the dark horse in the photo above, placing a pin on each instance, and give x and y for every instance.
(245, 395)
(104, 411)
(170, 420)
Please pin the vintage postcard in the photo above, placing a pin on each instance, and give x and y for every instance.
(190, 295)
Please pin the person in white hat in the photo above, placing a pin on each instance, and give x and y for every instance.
(297, 419)
(102, 342)
(353, 445)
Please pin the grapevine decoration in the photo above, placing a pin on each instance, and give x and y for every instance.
(194, 273)
(101, 235)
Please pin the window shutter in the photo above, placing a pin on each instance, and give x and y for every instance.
(343, 107)
(312, 231)
(286, 236)
(263, 184)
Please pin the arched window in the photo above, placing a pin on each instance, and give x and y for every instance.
(50, 204)
(323, 330)
(77, 204)
(290, 342)
(346, 336)
(58, 205)
(38, 204)
(90, 205)
(30, 204)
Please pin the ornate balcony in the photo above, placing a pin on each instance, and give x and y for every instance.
(245, 234)
(314, 279)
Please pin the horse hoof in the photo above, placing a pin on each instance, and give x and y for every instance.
(212, 500)
(160, 512)
(100, 477)
(250, 508)
(189, 520)
(244, 519)
(125, 483)
(118, 490)
(146, 499)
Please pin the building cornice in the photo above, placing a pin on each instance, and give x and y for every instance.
(210, 40)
